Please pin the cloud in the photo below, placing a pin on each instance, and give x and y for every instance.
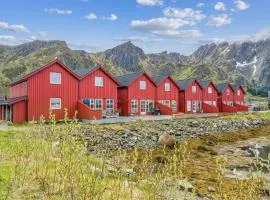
(58, 11)
(220, 6)
(150, 2)
(186, 14)
(7, 38)
(219, 20)
(91, 16)
(200, 5)
(241, 5)
(42, 33)
(86, 47)
(138, 39)
(112, 17)
(180, 33)
(13, 27)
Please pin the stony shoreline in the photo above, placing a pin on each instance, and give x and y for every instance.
(145, 135)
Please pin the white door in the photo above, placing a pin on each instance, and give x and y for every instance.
(143, 107)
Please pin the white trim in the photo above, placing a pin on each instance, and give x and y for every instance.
(55, 78)
(56, 108)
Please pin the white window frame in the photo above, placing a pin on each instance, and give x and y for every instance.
(110, 104)
(99, 81)
(96, 103)
(194, 89)
(167, 87)
(189, 105)
(167, 103)
(174, 106)
(53, 107)
(142, 85)
(227, 92)
(210, 90)
(238, 92)
(215, 103)
(55, 78)
(134, 106)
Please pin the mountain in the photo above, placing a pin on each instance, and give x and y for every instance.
(246, 62)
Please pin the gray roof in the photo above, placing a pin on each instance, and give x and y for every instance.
(184, 84)
(158, 79)
(12, 100)
(83, 72)
(204, 84)
(126, 79)
(221, 86)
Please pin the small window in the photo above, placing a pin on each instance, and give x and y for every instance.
(167, 87)
(238, 92)
(194, 89)
(150, 105)
(167, 103)
(55, 103)
(227, 92)
(134, 106)
(174, 106)
(55, 78)
(99, 81)
(210, 91)
(142, 85)
(89, 102)
(215, 103)
(98, 104)
(109, 104)
(188, 106)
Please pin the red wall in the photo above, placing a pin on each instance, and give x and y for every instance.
(87, 88)
(1, 113)
(173, 94)
(188, 95)
(40, 91)
(19, 90)
(240, 98)
(19, 110)
(84, 112)
(123, 101)
(210, 97)
(225, 97)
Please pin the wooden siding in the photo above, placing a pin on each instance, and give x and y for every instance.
(239, 98)
(40, 91)
(84, 112)
(210, 97)
(123, 101)
(87, 88)
(19, 112)
(19, 90)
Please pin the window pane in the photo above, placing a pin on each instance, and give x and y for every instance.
(98, 104)
(55, 78)
(142, 85)
(55, 103)
(194, 88)
(98, 81)
(167, 87)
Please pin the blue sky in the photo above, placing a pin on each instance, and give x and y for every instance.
(155, 25)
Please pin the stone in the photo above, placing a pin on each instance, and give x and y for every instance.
(185, 185)
(167, 141)
(211, 189)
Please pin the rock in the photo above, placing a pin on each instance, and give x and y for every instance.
(167, 141)
(211, 189)
(186, 185)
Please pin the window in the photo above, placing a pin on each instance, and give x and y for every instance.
(55, 78)
(188, 106)
(215, 103)
(167, 103)
(109, 104)
(98, 81)
(167, 87)
(134, 106)
(160, 101)
(238, 92)
(55, 103)
(150, 105)
(210, 91)
(142, 85)
(227, 92)
(174, 106)
(98, 104)
(147, 106)
(194, 89)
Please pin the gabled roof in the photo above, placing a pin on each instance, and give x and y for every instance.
(159, 79)
(56, 61)
(82, 73)
(235, 87)
(184, 84)
(222, 86)
(14, 100)
(127, 79)
(205, 84)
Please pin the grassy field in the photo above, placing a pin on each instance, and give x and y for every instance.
(51, 162)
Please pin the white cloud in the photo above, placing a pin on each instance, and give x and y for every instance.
(13, 27)
(219, 20)
(220, 6)
(7, 38)
(58, 11)
(200, 5)
(186, 14)
(179, 33)
(138, 39)
(91, 16)
(150, 2)
(241, 5)
(42, 33)
(112, 17)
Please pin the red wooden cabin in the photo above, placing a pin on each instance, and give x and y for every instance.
(190, 96)
(98, 91)
(136, 94)
(239, 98)
(167, 95)
(226, 98)
(210, 97)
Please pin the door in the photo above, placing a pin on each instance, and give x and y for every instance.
(8, 113)
(194, 106)
(143, 107)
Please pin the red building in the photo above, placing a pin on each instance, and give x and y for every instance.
(55, 87)
(190, 96)
(136, 94)
(226, 98)
(239, 98)
(210, 97)
(167, 94)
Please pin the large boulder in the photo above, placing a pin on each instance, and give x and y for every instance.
(167, 141)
